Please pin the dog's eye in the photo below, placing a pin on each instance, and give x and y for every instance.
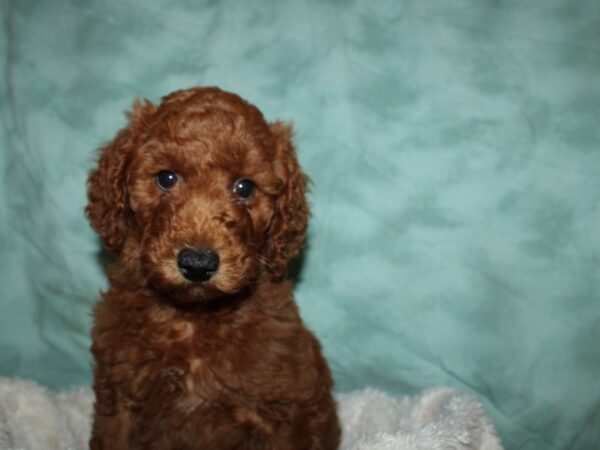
(243, 188)
(166, 179)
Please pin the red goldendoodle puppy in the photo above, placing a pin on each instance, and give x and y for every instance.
(198, 342)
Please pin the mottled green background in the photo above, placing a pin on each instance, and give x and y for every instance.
(455, 152)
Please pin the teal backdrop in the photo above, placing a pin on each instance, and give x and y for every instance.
(454, 148)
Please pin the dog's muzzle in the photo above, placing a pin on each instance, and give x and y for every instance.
(197, 264)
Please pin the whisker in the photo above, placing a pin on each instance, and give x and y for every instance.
(264, 261)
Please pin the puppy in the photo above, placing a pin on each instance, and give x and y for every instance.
(198, 342)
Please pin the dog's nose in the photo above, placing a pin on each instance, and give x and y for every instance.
(198, 265)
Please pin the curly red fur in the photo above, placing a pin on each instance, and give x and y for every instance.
(224, 363)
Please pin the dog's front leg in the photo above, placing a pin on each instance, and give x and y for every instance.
(111, 425)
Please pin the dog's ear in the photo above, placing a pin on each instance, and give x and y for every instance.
(290, 218)
(107, 196)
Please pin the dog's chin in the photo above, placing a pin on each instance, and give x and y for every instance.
(187, 293)
(182, 291)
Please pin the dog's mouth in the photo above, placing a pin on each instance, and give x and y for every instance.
(181, 286)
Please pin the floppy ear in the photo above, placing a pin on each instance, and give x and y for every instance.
(290, 219)
(107, 196)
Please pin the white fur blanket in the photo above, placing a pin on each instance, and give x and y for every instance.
(34, 418)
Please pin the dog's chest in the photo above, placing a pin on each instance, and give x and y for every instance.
(194, 368)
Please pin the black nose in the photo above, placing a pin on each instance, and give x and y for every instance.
(197, 265)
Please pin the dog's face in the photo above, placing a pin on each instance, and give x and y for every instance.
(200, 194)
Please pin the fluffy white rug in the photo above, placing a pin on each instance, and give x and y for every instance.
(34, 418)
